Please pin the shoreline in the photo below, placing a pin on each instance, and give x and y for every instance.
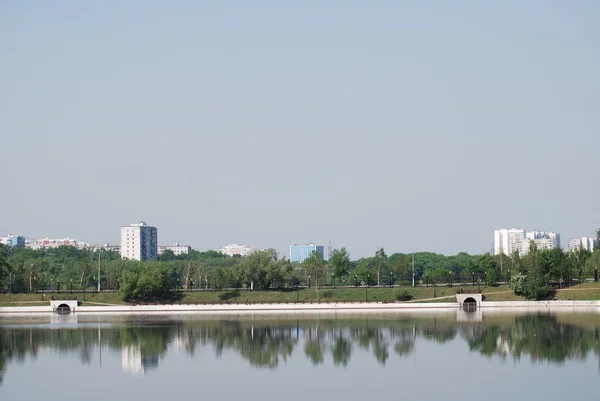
(314, 307)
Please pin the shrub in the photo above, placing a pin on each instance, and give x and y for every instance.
(403, 296)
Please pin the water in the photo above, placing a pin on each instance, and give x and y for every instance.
(425, 356)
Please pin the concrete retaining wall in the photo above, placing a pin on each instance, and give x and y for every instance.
(286, 308)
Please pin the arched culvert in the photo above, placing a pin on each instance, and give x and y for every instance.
(469, 304)
(63, 309)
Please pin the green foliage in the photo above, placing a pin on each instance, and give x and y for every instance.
(380, 262)
(517, 283)
(489, 266)
(151, 282)
(535, 285)
(339, 263)
(403, 296)
(314, 266)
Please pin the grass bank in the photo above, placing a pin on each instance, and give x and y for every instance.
(585, 291)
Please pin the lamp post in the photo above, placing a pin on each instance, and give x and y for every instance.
(309, 281)
(391, 279)
(58, 286)
(99, 252)
(367, 288)
(94, 277)
(356, 280)
(333, 279)
(71, 281)
(51, 285)
(118, 284)
(297, 292)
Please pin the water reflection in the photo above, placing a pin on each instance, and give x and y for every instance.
(268, 343)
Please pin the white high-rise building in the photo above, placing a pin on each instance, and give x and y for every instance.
(236, 249)
(139, 242)
(508, 240)
(542, 240)
(586, 243)
(515, 239)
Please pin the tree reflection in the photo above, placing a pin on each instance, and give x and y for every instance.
(541, 337)
(267, 344)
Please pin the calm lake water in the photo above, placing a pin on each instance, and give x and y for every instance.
(427, 356)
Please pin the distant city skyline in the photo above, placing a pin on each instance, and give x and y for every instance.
(412, 126)
(566, 243)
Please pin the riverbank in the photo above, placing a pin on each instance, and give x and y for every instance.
(584, 291)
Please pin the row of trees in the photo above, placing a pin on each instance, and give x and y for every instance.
(24, 269)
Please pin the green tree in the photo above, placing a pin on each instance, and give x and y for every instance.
(380, 262)
(152, 282)
(258, 268)
(490, 268)
(401, 266)
(339, 263)
(167, 256)
(535, 285)
(5, 267)
(314, 266)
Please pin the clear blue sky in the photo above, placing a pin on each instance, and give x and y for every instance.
(404, 125)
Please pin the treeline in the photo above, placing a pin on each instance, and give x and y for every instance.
(67, 267)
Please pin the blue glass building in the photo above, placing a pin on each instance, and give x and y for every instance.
(13, 240)
(300, 252)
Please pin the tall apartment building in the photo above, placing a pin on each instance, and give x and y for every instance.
(298, 253)
(542, 240)
(139, 242)
(236, 249)
(586, 243)
(507, 241)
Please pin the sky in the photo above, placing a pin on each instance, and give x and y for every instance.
(407, 125)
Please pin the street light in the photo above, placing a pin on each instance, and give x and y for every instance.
(333, 279)
(356, 280)
(309, 281)
(71, 285)
(367, 288)
(391, 279)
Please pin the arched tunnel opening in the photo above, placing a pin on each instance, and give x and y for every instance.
(470, 304)
(63, 309)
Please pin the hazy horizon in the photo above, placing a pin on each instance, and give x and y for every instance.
(412, 127)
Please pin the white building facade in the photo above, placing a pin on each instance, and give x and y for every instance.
(139, 242)
(175, 248)
(507, 241)
(54, 243)
(586, 243)
(542, 240)
(236, 249)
